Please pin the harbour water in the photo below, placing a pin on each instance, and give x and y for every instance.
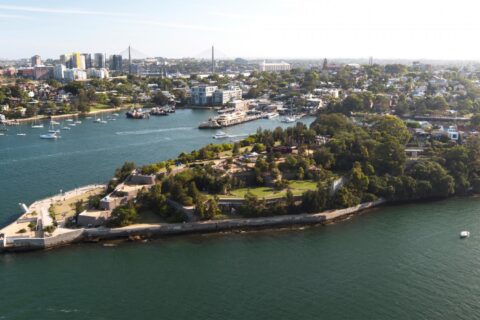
(402, 262)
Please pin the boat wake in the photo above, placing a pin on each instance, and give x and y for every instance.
(149, 131)
(77, 152)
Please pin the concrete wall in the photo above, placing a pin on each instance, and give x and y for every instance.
(141, 179)
(63, 238)
(70, 236)
(43, 243)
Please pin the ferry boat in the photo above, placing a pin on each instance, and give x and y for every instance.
(228, 119)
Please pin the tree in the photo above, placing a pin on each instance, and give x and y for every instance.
(358, 178)
(433, 181)
(392, 126)
(193, 190)
(315, 200)
(345, 198)
(389, 157)
(115, 101)
(160, 99)
(123, 172)
(324, 157)
(300, 174)
(123, 216)
(213, 209)
(475, 121)
(79, 207)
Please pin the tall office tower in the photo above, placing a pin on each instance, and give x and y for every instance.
(99, 60)
(88, 60)
(116, 62)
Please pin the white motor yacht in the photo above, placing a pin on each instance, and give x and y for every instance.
(289, 119)
(49, 136)
(464, 234)
(221, 135)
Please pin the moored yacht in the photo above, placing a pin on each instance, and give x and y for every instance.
(49, 136)
(289, 119)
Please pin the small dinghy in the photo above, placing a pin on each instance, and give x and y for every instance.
(464, 234)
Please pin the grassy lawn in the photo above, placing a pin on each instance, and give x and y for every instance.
(66, 208)
(98, 106)
(298, 187)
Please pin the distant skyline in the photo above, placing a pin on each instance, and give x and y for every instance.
(249, 29)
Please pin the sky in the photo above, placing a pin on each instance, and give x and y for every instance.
(387, 29)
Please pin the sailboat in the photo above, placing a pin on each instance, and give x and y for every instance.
(3, 128)
(65, 127)
(100, 120)
(36, 125)
(21, 133)
(51, 128)
(77, 121)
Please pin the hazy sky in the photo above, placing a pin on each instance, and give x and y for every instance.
(412, 29)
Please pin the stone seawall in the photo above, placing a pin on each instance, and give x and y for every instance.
(67, 236)
(152, 230)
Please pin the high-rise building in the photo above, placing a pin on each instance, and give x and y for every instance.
(78, 61)
(59, 72)
(116, 62)
(36, 60)
(99, 60)
(202, 94)
(88, 60)
(222, 96)
(66, 59)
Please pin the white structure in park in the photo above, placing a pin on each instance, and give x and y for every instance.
(274, 66)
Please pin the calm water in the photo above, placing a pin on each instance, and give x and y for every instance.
(402, 262)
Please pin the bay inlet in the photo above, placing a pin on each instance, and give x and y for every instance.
(391, 263)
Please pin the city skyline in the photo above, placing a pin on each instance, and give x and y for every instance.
(274, 29)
